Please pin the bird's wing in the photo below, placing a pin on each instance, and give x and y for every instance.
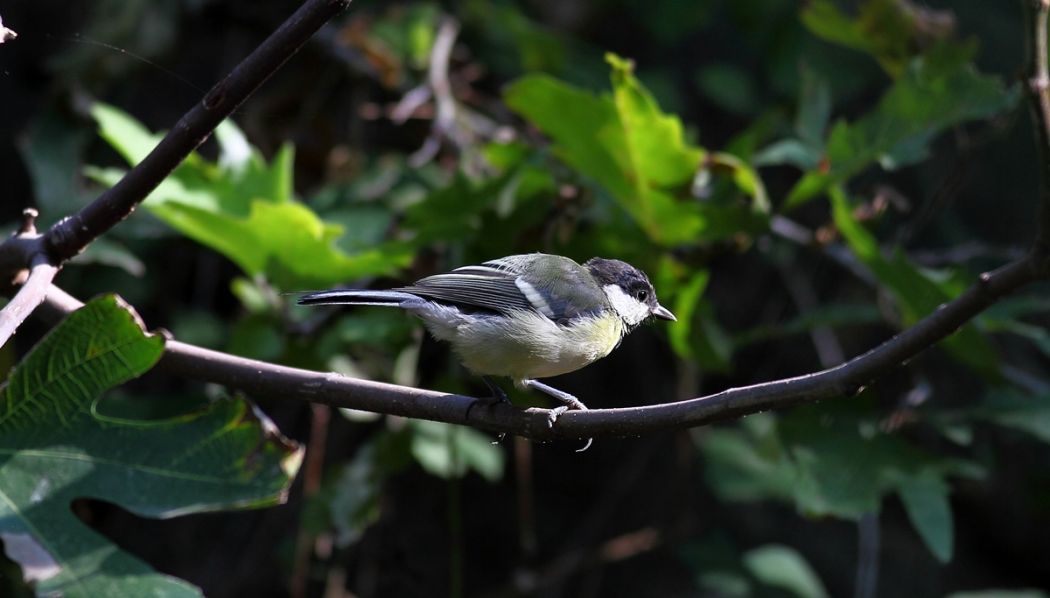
(488, 292)
(511, 283)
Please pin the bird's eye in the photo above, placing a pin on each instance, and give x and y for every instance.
(642, 295)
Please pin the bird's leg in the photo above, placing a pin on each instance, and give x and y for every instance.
(498, 396)
(570, 401)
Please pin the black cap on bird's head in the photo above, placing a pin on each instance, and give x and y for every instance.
(633, 284)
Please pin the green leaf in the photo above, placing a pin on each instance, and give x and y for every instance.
(793, 152)
(687, 299)
(917, 293)
(58, 446)
(935, 92)
(814, 109)
(638, 153)
(833, 315)
(243, 208)
(728, 86)
(783, 567)
(925, 500)
(51, 149)
(882, 29)
(353, 499)
(450, 451)
(831, 461)
(129, 137)
(1011, 409)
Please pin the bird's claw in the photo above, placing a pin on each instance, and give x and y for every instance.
(554, 414)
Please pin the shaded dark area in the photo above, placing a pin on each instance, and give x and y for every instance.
(630, 517)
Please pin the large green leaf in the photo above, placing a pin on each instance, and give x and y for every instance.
(832, 461)
(936, 91)
(639, 154)
(58, 444)
(244, 209)
(917, 292)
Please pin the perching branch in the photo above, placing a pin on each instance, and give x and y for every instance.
(71, 235)
(266, 380)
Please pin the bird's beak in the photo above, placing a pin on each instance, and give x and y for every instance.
(663, 313)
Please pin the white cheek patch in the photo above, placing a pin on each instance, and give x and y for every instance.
(535, 297)
(630, 309)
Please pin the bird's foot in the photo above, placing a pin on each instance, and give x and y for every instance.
(570, 401)
(497, 397)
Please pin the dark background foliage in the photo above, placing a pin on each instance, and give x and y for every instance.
(671, 514)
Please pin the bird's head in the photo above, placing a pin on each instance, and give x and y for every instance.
(629, 291)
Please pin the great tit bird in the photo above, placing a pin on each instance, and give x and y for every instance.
(523, 316)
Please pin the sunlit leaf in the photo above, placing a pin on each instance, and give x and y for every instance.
(244, 210)
(638, 153)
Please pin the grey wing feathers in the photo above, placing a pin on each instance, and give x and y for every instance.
(486, 291)
(511, 283)
(502, 285)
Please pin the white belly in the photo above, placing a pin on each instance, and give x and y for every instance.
(525, 346)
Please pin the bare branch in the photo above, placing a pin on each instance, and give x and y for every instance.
(262, 379)
(70, 235)
(25, 247)
(32, 294)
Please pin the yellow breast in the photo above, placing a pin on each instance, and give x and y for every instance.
(529, 345)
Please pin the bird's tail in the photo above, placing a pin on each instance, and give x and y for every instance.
(360, 297)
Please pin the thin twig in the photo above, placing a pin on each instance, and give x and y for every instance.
(72, 234)
(32, 294)
(26, 248)
(1039, 92)
(444, 125)
(281, 382)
